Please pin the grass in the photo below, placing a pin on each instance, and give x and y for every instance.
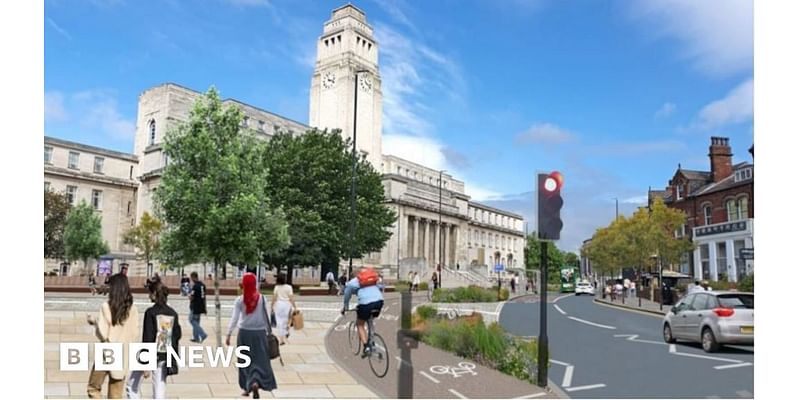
(470, 294)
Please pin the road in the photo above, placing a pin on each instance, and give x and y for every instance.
(464, 383)
(604, 352)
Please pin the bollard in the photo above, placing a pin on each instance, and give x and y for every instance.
(406, 340)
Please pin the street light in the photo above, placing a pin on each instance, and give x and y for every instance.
(353, 185)
(441, 244)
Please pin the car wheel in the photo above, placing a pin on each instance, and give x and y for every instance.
(710, 344)
(668, 334)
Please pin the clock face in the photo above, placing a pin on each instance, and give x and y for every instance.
(365, 82)
(328, 80)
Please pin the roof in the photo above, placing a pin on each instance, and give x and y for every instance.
(89, 148)
(497, 210)
(695, 175)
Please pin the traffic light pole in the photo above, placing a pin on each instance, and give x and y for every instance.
(544, 354)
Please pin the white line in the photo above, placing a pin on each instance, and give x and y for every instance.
(591, 323)
(567, 382)
(587, 387)
(559, 309)
(561, 297)
(559, 362)
(457, 394)
(674, 350)
(530, 396)
(733, 365)
(436, 381)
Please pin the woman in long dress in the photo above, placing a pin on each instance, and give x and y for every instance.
(282, 305)
(250, 316)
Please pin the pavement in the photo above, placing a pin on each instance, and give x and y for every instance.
(636, 304)
(309, 372)
(603, 351)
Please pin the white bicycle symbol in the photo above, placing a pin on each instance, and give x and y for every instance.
(462, 369)
(340, 328)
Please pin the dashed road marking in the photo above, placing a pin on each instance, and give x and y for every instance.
(434, 380)
(587, 387)
(530, 396)
(457, 394)
(728, 366)
(674, 350)
(559, 362)
(567, 381)
(633, 338)
(591, 323)
(559, 309)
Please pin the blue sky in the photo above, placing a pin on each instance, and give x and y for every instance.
(612, 93)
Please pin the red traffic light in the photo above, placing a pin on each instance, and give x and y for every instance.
(553, 182)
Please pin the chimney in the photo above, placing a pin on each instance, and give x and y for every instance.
(720, 154)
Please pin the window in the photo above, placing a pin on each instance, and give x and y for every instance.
(152, 130)
(743, 174)
(742, 203)
(47, 186)
(129, 208)
(71, 192)
(246, 121)
(737, 209)
(48, 155)
(98, 165)
(399, 170)
(260, 125)
(678, 192)
(707, 214)
(130, 176)
(73, 160)
(97, 199)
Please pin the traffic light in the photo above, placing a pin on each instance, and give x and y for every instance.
(550, 202)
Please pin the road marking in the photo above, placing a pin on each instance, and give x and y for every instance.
(746, 364)
(591, 323)
(559, 362)
(457, 394)
(436, 381)
(559, 309)
(674, 350)
(633, 338)
(567, 382)
(530, 396)
(561, 297)
(587, 387)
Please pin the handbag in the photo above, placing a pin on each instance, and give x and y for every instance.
(273, 346)
(297, 320)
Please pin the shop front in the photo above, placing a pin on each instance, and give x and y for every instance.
(724, 251)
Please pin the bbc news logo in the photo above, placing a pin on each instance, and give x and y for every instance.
(144, 356)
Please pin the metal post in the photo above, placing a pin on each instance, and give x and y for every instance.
(405, 381)
(398, 243)
(544, 354)
(441, 244)
(616, 202)
(661, 283)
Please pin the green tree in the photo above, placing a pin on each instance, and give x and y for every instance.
(212, 193)
(83, 238)
(144, 237)
(555, 258)
(571, 259)
(310, 177)
(56, 209)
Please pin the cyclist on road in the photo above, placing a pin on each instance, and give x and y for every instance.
(370, 302)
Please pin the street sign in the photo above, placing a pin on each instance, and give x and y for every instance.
(746, 253)
(498, 268)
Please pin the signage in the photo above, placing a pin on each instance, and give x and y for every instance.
(721, 228)
(746, 254)
(498, 268)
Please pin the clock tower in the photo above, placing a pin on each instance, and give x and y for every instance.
(346, 46)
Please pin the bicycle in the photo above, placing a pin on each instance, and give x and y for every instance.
(378, 358)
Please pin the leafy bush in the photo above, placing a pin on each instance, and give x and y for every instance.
(747, 284)
(722, 285)
(423, 286)
(470, 294)
(426, 312)
(503, 294)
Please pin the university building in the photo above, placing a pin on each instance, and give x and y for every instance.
(437, 220)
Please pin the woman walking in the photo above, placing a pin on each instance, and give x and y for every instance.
(250, 316)
(283, 305)
(118, 323)
(161, 327)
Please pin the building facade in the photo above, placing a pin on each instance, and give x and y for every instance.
(719, 209)
(437, 222)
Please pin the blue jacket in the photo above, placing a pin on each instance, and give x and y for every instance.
(366, 295)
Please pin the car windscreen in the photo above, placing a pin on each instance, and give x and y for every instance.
(736, 301)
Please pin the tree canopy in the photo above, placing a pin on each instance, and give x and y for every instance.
(145, 237)
(56, 209)
(83, 237)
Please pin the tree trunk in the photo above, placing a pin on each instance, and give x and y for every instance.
(289, 274)
(217, 305)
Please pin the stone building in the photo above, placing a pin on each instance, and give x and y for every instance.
(457, 232)
(719, 209)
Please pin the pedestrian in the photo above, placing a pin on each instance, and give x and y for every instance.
(161, 327)
(342, 282)
(458, 267)
(415, 282)
(618, 289)
(627, 287)
(92, 284)
(705, 286)
(250, 316)
(197, 307)
(516, 280)
(283, 304)
(694, 287)
(118, 323)
(607, 292)
(633, 289)
(124, 270)
(513, 285)
(185, 287)
(380, 282)
(527, 286)
(435, 280)
(331, 282)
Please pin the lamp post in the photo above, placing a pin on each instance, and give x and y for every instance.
(616, 207)
(353, 185)
(441, 244)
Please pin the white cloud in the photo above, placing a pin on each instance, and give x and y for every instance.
(639, 200)
(54, 106)
(545, 133)
(666, 110)
(98, 111)
(717, 35)
(63, 32)
(735, 107)
(479, 193)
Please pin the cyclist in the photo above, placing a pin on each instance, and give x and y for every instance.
(370, 302)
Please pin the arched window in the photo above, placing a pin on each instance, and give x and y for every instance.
(742, 205)
(707, 214)
(737, 208)
(152, 130)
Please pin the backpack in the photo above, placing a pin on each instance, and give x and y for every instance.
(367, 277)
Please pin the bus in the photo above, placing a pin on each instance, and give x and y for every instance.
(569, 279)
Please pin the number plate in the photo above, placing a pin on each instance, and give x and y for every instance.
(746, 329)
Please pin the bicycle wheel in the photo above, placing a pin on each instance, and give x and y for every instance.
(352, 337)
(379, 358)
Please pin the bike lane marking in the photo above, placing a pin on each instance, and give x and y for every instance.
(728, 366)
(530, 396)
(587, 387)
(457, 394)
(434, 380)
(559, 309)
(567, 381)
(591, 323)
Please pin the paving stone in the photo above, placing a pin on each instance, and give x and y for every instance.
(352, 392)
(327, 377)
(303, 391)
(56, 389)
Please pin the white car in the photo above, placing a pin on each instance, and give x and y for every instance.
(584, 288)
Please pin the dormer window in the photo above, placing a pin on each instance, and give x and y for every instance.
(743, 174)
(679, 192)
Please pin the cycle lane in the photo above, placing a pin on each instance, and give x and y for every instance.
(437, 374)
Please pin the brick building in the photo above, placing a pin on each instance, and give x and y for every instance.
(719, 208)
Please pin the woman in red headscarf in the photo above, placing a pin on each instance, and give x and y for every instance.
(250, 315)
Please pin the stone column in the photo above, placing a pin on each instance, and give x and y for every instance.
(748, 243)
(458, 245)
(410, 242)
(730, 257)
(712, 260)
(415, 249)
(446, 239)
(422, 237)
(698, 264)
(427, 247)
(436, 248)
